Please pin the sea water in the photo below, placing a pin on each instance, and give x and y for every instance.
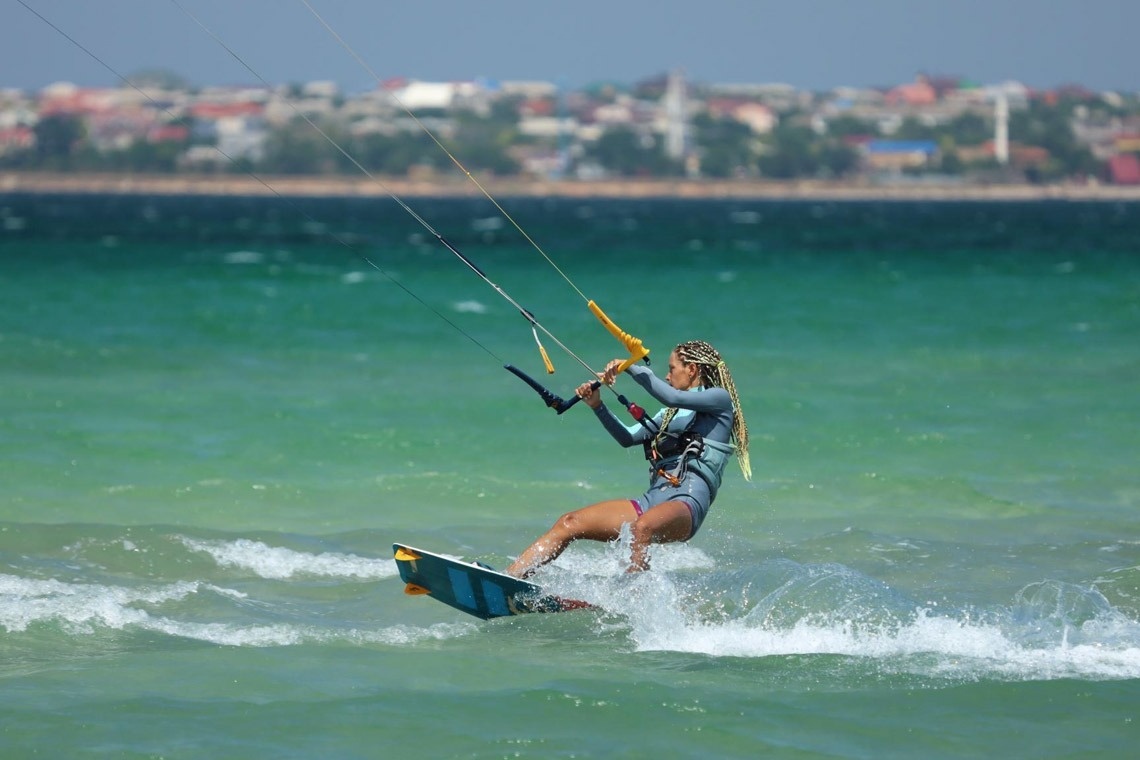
(217, 414)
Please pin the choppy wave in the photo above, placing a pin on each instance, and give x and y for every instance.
(275, 562)
(250, 593)
(1049, 630)
(82, 609)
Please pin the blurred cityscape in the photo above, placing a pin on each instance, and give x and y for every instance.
(933, 129)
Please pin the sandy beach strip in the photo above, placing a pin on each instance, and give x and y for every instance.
(442, 187)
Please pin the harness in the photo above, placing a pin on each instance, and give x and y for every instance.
(676, 453)
(675, 448)
(683, 448)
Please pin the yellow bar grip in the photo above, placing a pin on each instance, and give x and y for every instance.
(637, 351)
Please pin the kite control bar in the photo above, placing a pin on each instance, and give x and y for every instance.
(635, 347)
(560, 405)
(557, 403)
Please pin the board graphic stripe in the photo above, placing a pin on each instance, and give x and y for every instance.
(495, 598)
(461, 585)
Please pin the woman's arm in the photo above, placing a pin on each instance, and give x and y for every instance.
(627, 436)
(709, 400)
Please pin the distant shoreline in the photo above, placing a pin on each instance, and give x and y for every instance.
(459, 187)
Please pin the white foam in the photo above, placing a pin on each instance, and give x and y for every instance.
(278, 563)
(470, 307)
(487, 224)
(85, 608)
(661, 618)
(80, 606)
(227, 634)
(243, 257)
(612, 558)
(1052, 630)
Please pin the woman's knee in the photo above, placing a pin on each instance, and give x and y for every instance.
(568, 524)
(642, 531)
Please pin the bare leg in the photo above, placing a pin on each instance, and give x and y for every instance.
(597, 522)
(666, 523)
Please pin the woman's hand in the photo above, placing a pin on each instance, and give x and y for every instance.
(590, 394)
(610, 375)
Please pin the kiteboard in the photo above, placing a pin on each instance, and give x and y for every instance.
(475, 589)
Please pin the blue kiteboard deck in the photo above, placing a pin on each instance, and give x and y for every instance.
(474, 589)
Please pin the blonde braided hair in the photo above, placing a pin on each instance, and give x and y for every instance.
(714, 374)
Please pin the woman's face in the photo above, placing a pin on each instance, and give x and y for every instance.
(682, 375)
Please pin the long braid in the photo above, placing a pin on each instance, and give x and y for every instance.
(715, 374)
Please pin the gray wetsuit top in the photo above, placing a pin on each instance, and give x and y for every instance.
(703, 412)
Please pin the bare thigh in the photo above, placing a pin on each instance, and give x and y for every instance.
(665, 523)
(598, 522)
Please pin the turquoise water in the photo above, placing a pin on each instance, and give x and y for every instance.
(217, 416)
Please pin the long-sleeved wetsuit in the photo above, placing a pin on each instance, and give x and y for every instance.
(706, 413)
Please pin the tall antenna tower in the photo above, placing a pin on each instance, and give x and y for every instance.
(676, 142)
(1001, 129)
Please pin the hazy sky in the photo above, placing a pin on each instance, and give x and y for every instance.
(812, 44)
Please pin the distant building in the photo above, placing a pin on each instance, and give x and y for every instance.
(66, 98)
(1124, 169)
(918, 93)
(547, 126)
(324, 89)
(427, 95)
(210, 111)
(896, 155)
(760, 118)
(14, 139)
(1127, 143)
(164, 133)
(242, 137)
(117, 129)
(531, 90)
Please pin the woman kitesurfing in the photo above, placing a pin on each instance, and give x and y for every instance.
(688, 444)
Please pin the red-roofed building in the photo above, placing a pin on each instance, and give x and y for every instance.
(536, 107)
(1020, 156)
(168, 133)
(1124, 169)
(68, 99)
(16, 138)
(215, 111)
(918, 93)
